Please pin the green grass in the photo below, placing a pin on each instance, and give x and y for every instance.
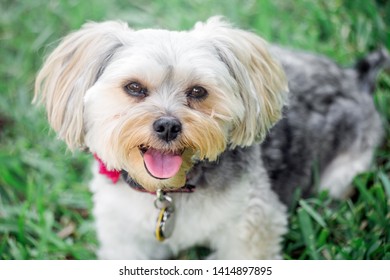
(44, 200)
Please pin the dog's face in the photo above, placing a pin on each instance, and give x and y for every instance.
(152, 102)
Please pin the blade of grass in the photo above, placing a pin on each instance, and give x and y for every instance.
(307, 230)
(386, 182)
(313, 213)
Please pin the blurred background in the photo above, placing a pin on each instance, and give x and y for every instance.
(45, 206)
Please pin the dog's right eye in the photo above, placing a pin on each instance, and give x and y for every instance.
(136, 89)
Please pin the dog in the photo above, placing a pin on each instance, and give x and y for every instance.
(201, 137)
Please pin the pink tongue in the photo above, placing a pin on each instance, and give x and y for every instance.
(162, 165)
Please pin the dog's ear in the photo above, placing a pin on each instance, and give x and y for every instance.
(261, 80)
(72, 68)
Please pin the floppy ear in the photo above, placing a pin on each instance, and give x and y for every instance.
(261, 80)
(72, 68)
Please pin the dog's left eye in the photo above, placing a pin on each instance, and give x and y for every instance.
(136, 89)
(197, 92)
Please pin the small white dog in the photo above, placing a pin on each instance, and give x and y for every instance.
(172, 119)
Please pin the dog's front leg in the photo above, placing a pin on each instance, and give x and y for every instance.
(257, 232)
(125, 222)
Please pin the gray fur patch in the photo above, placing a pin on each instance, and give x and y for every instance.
(331, 109)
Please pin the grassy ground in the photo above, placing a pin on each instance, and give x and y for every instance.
(44, 202)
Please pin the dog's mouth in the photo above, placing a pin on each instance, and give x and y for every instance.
(161, 164)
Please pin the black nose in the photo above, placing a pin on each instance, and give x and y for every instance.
(167, 128)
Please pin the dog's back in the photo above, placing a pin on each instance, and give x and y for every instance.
(329, 129)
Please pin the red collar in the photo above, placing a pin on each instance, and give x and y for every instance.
(114, 176)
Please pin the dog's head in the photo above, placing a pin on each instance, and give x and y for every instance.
(152, 102)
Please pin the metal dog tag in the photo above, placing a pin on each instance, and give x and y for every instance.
(165, 220)
(165, 224)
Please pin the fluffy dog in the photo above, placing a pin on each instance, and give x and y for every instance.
(175, 121)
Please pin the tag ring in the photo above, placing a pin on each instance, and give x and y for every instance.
(163, 201)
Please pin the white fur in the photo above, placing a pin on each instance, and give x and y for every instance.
(245, 222)
(339, 174)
